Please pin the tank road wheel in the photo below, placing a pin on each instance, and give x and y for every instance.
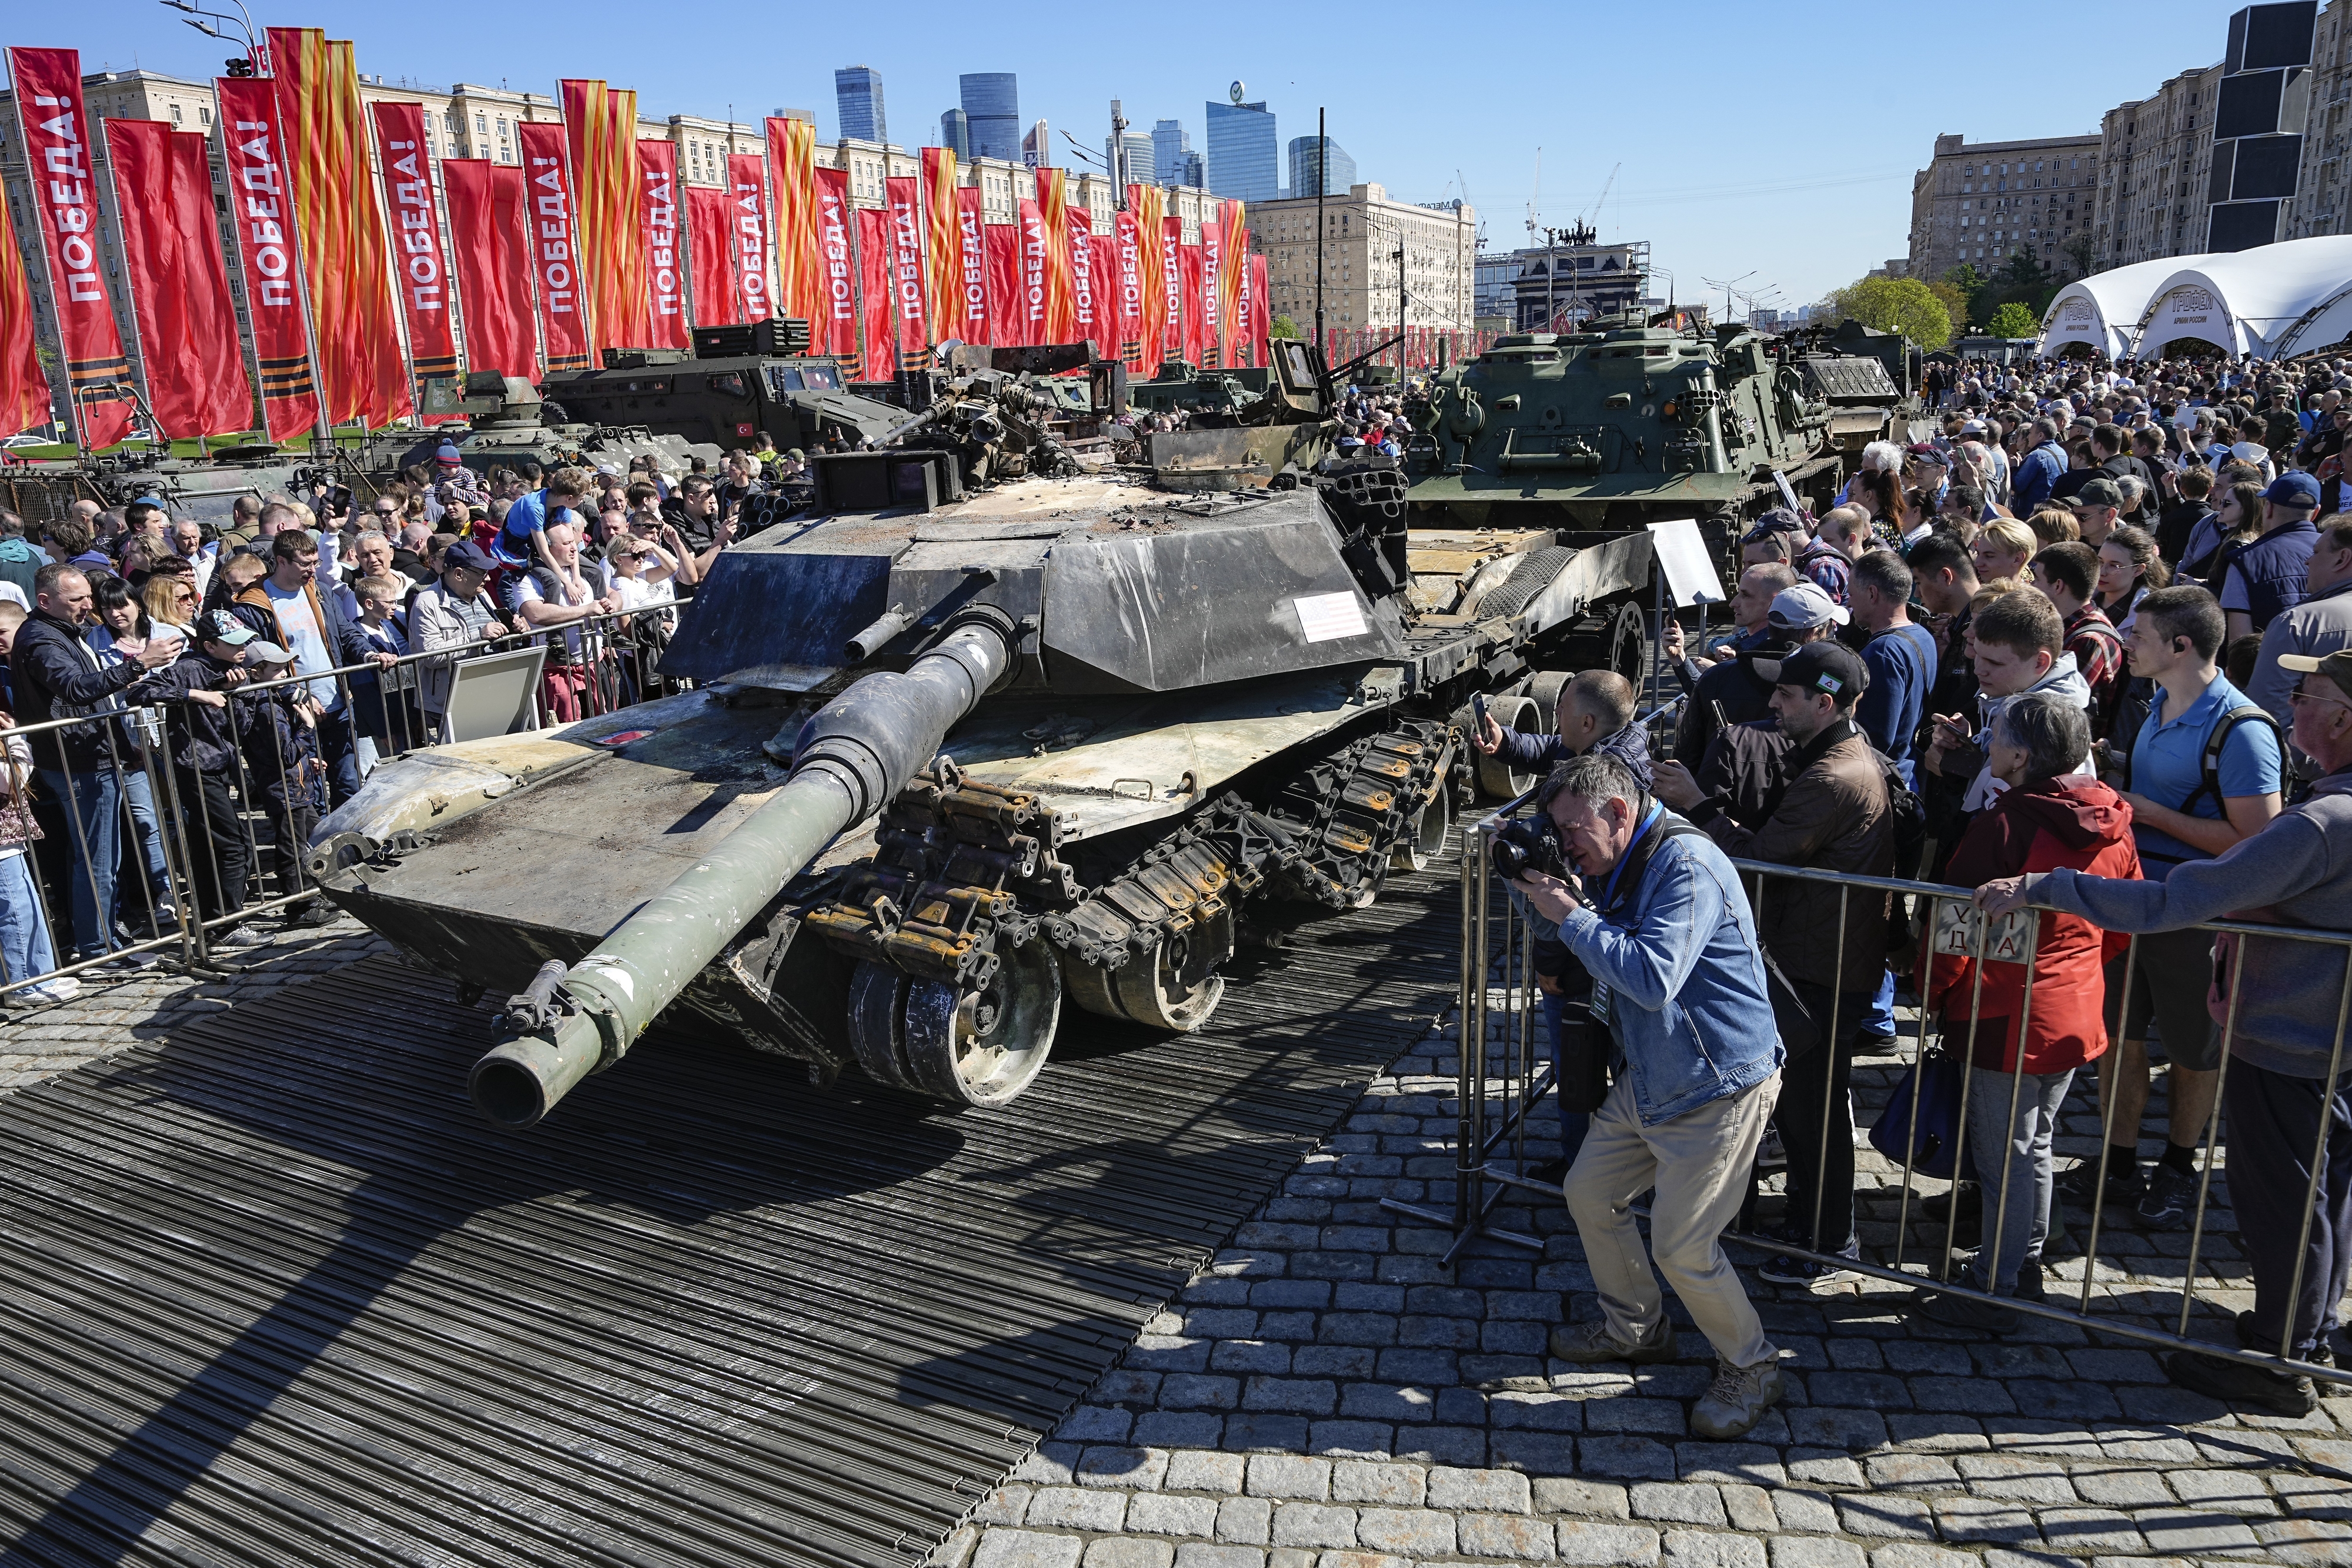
(984, 1047)
(877, 1011)
(1424, 836)
(1610, 640)
(1495, 775)
(1178, 987)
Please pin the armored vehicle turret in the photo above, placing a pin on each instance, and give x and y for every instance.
(957, 768)
(508, 422)
(1599, 432)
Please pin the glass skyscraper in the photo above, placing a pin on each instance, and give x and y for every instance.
(992, 102)
(1245, 156)
(1172, 144)
(1338, 169)
(955, 132)
(858, 89)
(1142, 158)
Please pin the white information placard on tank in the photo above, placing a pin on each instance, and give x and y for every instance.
(1682, 560)
(1327, 617)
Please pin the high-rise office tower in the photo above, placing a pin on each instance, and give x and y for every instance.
(1037, 147)
(992, 102)
(1338, 169)
(858, 89)
(1244, 158)
(1171, 145)
(1142, 162)
(955, 132)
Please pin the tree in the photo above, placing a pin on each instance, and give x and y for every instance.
(1953, 298)
(1977, 288)
(2081, 253)
(2026, 279)
(2015, 320)
(1895, 305)
(1283, 327)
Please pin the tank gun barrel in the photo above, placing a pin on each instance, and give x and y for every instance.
(930, 415)
(856, 754)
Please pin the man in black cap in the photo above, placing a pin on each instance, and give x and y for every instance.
(448, 617)
(1829, 811)
(2097, 506)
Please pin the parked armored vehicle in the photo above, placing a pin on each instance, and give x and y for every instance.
(954, 768)
(1869, 380)
(1599, 432)
(1285, 425)
(508, 422)
(801, 401)
(204, 488)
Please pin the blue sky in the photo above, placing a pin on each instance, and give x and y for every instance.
(1777, 140)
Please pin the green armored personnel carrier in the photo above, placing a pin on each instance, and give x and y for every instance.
(205, 489)
(959, 765)
(508, 422)
(1601, 432)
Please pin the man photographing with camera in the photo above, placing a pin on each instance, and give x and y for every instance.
(1658, 917)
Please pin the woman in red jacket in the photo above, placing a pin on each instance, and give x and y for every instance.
(2050, 816)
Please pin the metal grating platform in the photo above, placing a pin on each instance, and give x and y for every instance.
(272, 1293)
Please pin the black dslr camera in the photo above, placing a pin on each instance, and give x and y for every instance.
(1523, 845)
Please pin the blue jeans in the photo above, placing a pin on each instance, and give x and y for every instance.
(1573, 1124)
(24, 948)
(141, 795)
(94, 801)
(339, 749)
(1879, 1018)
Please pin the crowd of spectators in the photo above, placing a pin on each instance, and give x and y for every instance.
(241, 678)
(2087, 644)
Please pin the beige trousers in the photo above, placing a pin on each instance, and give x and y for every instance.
(1700, 1163)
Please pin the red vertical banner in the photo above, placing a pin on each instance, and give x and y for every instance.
(709, 227)
(419, 275)
(344, 257)
(942, 241)
(261, 214)
(747, 179)
(555, 248)
(909, 290)
(792, 163)
(1232, 270)
(1189, 269)
(971, 320)
(1258, 318)
(1104, 251)
(1078, 244)
(1181, 299)
(24, 387)
(1003, 245)
(1204, 331)
(665, 266)
(491, 241)
(1126, 300)
(873, 291)
(834, 329)
(48, 92)
(178, 288)
(1031, 312)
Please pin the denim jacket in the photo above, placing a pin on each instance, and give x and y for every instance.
(1685, 978)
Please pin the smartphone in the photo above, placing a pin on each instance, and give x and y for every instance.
(1478, 707)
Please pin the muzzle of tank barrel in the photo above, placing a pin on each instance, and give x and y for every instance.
(856, 753)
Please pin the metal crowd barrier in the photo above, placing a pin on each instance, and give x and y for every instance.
(1504, 1073)
(198, 852)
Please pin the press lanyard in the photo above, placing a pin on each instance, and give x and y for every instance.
(1609, 893)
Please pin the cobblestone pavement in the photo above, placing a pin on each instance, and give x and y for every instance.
(107, 1018)
(1327, 1395)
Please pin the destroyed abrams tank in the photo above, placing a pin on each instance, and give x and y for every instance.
(508, 422)
(1596, 432)
(1285, 424)
(953, 774)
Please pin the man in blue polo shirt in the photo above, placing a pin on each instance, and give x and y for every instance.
(2182, 811)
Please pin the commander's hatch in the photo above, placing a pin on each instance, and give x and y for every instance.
(1302, 379)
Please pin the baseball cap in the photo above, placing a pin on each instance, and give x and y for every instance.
(471, 556)
(2098, 492)
(2293, 490)
(1921, 452)
(1826, 666)
(2336, 666)
(264, 653)
(1804, 607)
(222, 626)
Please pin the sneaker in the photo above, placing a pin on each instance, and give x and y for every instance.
(1786, 1269)
(1772, 1154)
(240, 935)
(309, 916)
(45, 993)
(2030, 1285)
(136, 961)
(1957, 1312)
(1737, 1400)
(1552, 1173)
(2250, 1338)
(2170, 1199)
(2079, 1186)
(2236, 1383)
(1588, 1343)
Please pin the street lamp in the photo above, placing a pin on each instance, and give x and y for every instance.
(197, 15)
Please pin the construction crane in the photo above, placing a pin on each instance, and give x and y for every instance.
(1585, 219)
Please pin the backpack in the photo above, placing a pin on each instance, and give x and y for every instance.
(2209, 784)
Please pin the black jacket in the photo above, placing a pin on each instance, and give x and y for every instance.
(201, 737)
(52, 670)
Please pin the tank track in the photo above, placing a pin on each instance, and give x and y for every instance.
(963, 872)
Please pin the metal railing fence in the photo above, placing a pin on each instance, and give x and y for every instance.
(137, 844)
(1504, 1074)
